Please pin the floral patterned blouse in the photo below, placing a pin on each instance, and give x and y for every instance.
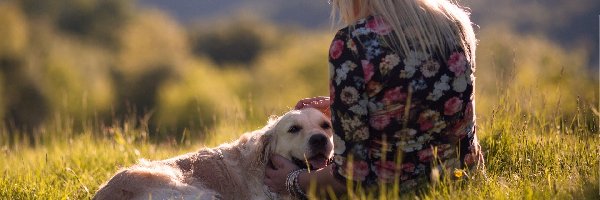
(387, 108)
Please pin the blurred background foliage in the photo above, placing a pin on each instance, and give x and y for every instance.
(97, 62)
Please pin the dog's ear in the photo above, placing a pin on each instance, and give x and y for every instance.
(266, 143)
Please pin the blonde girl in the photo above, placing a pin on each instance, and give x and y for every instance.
(401, 98)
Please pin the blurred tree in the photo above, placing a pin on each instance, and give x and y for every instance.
(78, 87)
(14, 31)
(153, 46)
(138, 96)
(298, 69)
(198, 100)
(95, 20)
(237, 42)
(23, 105)
(26, 106)
(151, 39)
(39, 9)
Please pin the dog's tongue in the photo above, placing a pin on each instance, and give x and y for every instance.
(318, 162)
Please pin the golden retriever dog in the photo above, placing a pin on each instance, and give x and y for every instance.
(230, 171)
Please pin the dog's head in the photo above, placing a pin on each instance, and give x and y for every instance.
(303, 136)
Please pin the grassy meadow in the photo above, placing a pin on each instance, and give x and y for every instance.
(80, 101)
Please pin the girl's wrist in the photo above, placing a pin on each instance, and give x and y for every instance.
(324, 178)
(304, 181)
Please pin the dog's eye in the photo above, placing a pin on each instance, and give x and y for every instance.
(294, 129)
(325, 125)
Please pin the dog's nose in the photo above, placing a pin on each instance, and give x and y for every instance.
(317, 141)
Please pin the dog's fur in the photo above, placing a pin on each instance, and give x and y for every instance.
(230, 171)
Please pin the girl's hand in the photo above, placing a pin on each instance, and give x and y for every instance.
(320, 103)
(276, 174)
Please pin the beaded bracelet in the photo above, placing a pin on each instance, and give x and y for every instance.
(298, 189)
(292, 185)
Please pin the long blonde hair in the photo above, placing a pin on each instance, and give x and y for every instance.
(433, 25)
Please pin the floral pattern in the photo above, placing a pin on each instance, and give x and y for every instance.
(417, 106)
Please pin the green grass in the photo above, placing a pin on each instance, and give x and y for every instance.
(534, 107)
(544, 154)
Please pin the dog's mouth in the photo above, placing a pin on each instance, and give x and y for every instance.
(314, 162)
